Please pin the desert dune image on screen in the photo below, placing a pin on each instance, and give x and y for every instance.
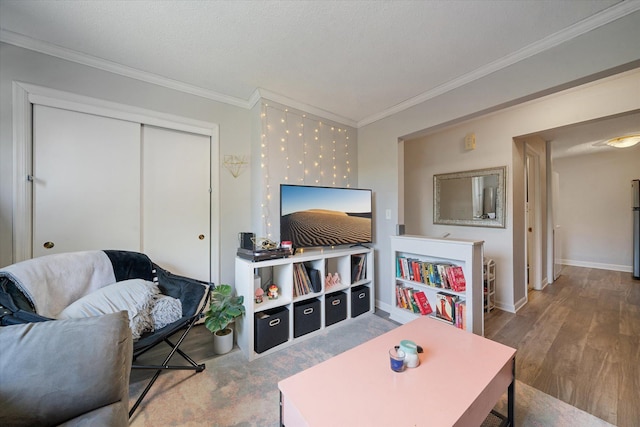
(324, 216)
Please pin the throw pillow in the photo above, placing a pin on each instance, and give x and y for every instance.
(165, 311)
(136, 296)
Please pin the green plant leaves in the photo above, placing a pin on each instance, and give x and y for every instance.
(223, 308)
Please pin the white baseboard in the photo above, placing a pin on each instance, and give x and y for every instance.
(383, 306)
(598, 265)
(509, 308)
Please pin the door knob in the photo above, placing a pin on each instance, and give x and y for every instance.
(48, 245)
(201, 237)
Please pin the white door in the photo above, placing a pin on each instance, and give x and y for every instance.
(176, 200)
(105, 183)
(86, 182)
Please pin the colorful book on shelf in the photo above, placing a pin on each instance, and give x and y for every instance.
(412, 301)
(405, 298)
(408, 269)
(456, 278)
(402, 264)
(461, 314)
(357, 267)
(442, 273)
(445, 307)
(415, 268)
(399, 300)
(314, 278)
(301, 281)
(425, 273)
(408, 297)
(423, 303)
(434, 276)
(404, 301)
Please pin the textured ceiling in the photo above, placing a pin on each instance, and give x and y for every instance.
(590, 137)
(354, 59)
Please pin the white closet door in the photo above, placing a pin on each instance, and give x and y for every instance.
(86, 192)
(176, 201)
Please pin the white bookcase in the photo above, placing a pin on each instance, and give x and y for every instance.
(489, 285)
(251, 275)
(466, 253)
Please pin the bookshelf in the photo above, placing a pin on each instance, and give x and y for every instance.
(284, 315)
(468, 254)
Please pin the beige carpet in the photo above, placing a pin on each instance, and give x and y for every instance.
(234, 392)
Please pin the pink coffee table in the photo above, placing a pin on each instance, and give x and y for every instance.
(460, 378)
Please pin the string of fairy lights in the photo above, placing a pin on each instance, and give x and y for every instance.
(296, 148)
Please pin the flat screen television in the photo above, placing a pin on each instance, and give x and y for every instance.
(324, 216)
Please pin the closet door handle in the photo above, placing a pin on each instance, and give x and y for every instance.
(48, 245)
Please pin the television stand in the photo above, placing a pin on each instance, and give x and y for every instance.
(298, 312)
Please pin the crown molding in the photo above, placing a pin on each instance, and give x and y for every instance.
(609, 15)
(254, 98)
(281, 99)
(113, 67)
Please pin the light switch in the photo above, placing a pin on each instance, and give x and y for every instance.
(387, 214)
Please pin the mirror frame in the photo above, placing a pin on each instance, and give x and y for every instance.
(501, 202)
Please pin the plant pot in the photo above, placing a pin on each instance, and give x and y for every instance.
(223, 341)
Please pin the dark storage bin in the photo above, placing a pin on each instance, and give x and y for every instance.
(271, 328)
(359, 300)
(335, 308)
(306, 317)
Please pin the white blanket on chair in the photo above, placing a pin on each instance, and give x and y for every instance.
(53, 282)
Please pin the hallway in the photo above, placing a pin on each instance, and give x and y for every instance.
(579, 340)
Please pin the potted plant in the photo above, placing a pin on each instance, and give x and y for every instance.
(223, 309)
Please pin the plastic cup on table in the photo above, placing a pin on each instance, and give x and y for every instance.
(396, 357)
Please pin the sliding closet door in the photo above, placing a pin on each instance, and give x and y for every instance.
(176, 198)
(86, 182)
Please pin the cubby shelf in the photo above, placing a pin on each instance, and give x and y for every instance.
(251, 275)
(489, 285)
(466, 253)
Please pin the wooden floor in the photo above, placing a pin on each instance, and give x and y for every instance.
(579, 341)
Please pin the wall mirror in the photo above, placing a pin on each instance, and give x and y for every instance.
(475, 198)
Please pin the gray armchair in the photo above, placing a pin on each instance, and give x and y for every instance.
(66, 372)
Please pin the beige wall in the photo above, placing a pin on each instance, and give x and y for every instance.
(241, 133)
(235, 132)
(442, 151)
(594, 212)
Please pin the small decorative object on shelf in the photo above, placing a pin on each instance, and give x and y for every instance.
(332, 280)
(272, 292)
(259, 295)
(287, 245)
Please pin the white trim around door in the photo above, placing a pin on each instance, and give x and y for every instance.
(25, 95)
